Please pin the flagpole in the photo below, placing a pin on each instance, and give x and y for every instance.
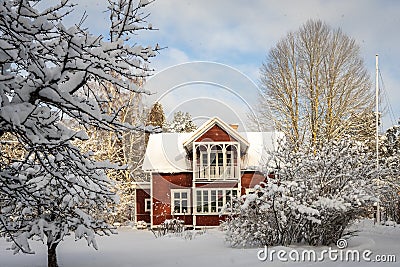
(378, 213)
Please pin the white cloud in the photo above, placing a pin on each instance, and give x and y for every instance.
(205, 89)
(240, 33)
(169, 57)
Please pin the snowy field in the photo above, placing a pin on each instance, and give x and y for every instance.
(140, 248)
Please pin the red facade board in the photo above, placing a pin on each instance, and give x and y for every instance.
(162, 185)
(141, 196)
(215, 134)
(250, 179)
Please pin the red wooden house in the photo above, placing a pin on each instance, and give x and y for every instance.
(194, 175)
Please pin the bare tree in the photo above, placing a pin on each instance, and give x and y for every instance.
(313, 80)
(123, 148)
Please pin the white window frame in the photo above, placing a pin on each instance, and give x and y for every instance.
(180, 191)
(200, 195)
(147, 207)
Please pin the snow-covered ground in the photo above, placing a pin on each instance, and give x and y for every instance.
(140, 248)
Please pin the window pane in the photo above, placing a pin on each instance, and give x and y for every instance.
(205, 207)
(228, 158)
(220, 200)
(213, 195)
(184, 206)
(177, 195)
(198, 200)
(204, 159)
(205, 201)
(177, 208)
(228, 197)
(213, 158)
(184, 195)
(213, 201)
(220, 159)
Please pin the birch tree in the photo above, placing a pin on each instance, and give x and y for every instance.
(313, 80)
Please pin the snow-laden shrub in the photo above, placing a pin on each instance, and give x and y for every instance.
(170, 226)
(313, 198)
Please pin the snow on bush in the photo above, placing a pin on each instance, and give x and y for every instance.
(313, 197)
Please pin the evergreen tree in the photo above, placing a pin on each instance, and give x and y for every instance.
(155, 118)
(181, 123)
(389, 154)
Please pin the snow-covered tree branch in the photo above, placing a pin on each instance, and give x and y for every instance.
(45, 74)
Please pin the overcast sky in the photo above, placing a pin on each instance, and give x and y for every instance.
(237, 35)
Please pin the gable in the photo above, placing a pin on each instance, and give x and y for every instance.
(215, 130)
(215, 134)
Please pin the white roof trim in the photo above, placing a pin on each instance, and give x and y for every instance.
(208, 125)
(141, 185)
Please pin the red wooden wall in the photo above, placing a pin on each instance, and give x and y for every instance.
(141, 214)
(216, 134)
(162, 185)
(250, 179)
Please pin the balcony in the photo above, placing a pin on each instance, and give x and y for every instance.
(216, 161)
(217, 173)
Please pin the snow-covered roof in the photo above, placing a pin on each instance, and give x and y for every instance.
(165, 152)
(261, 143)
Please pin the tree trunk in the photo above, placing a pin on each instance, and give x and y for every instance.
(52, 255)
